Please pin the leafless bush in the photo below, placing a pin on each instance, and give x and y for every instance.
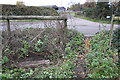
(52, 35)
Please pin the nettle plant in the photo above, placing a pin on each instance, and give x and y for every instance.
(17, 74)
(38, 46)
(5, 59)
(100, 61)
(24, 50)
(76, 42)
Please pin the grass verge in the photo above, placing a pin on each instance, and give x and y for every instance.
(96, 20)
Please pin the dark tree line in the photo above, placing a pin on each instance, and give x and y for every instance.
(99, 9)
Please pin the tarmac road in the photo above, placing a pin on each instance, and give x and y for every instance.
(86, 27)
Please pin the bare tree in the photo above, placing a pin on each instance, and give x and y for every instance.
(89, 4)
(20, 3)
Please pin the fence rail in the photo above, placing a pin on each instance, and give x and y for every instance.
(8, 18)
(32, 17)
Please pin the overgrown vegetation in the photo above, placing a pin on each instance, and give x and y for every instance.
(63, 70)
(61, 49)
(102, 60)
(48, 45)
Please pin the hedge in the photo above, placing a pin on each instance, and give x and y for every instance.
(27, 10)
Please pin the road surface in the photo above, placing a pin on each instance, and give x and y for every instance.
(88, 28)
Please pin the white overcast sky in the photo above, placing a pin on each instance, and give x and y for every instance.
(64, 3)
(43, 2)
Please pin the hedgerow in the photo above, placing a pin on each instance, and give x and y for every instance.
(27, 10)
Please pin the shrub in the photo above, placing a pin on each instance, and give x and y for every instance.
(90, 12)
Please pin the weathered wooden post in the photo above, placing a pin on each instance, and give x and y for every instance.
(65, 31)
(8, 27)
(65, 23)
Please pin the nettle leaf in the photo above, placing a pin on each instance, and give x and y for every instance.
(5, 60)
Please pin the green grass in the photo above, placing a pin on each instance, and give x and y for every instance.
(72, 13)
(86, 18)
(96, 20)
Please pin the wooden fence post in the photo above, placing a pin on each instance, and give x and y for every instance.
(65, 32)
(65, 23)
(8, 27)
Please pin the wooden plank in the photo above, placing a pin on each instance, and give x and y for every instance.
(32, 17)
(31, 64)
